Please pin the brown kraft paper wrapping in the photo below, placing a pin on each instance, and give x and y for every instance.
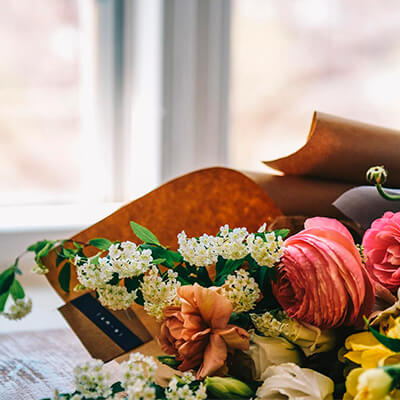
(341, 149)
(198, 202)
(297, 195)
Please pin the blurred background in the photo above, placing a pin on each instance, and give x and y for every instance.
(103, 100)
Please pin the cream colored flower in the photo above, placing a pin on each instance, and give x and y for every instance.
(369, 384)
(290, 382)
(267, 351)
(308, 337)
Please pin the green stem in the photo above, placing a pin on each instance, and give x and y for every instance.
(387, 196)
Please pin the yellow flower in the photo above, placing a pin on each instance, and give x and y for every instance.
(366, 351)
(369, 384)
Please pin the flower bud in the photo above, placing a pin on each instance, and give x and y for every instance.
(225, 388)
(376, 175)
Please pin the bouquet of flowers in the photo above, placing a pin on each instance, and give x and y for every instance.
(266, 314)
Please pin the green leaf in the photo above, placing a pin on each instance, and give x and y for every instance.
(158, 261)
(219, 266)
(204, 278)
(60, 258)
(101, 243)
(144, 234)
(240, 319)
(64, 277)
(16, 290)
(171, 257)
(68, 253)
(3, 300)
(36, 247)
(6, 279)
(229, 267)
(170, 361)
(282, 233)
(160, 391)
(114, 280)
(117, 388)
(132, 284)
(390, 343)
(273, 274)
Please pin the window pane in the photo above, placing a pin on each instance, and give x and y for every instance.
(39, 100)
(290, 57)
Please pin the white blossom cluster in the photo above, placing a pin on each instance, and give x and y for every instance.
(93, 275)
(201, 251)
(116, 297)
(91, 381)
(128, 261)
(267, 250)
(270, 326)
(123, 258)
(19, 309)
(234, 244)
(137, 374)
(241, 290)
(158, 294)
(179, 389)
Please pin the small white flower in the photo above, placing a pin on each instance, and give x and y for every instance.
(291, 382)
(138, 367)
(19, 309)
(91, 381)
(126, 260)
(180, 389)
(39, 269)
(92, 274)
(267, 250)
(116, 297)
(262, 228)
(158, 294)
(199, 252)
(241, 290)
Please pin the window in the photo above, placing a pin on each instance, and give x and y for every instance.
(40, 116)
(289, 58)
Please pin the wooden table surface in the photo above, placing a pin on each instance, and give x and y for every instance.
(33, 364)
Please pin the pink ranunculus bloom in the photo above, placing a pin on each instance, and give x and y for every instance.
(382, 247)
(198, 333)
(321, 279)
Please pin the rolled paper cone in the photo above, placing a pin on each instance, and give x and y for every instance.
(341, 149)
(298, 195)
(199, 202)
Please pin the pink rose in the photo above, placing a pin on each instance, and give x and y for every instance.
(198, 332)
(322, 280)
(382, 247)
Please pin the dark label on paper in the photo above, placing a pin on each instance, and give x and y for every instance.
(107, 322)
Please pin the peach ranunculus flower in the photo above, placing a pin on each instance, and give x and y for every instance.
(321, 279)
(198, 333)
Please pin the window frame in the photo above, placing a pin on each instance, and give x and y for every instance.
(156, 80)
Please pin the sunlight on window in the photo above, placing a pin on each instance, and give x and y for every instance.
(39, 101)
(292, 57)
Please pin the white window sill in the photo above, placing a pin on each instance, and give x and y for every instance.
(21, 226)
